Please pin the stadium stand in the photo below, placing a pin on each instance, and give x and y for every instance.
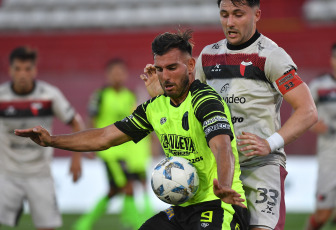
(320, 10)
(68, 14)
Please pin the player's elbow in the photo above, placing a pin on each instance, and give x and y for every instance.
(311, 115)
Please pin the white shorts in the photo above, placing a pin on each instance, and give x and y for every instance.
(40, 194)
(264, 188)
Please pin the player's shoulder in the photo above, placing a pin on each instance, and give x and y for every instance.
(325, 77)
(214, 47)
(5, 89)
(268, 48)
(201, 90)
(45, 85)
(155, 101)
(5, 86)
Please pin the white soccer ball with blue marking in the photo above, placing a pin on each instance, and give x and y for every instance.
(175, 180)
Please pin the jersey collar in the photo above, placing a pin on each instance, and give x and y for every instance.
(244, 45)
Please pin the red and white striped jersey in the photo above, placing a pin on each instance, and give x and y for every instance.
(252, 78)
(20, 155)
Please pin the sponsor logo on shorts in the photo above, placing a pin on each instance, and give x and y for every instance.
(169, 212)
(204, 225)
(237, 227)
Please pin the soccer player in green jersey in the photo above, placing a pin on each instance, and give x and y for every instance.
(107, 105)
(192, 121)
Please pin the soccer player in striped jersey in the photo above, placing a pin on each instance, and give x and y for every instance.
(25, 173)
(192, 121)
(323, 90)
(254, 75)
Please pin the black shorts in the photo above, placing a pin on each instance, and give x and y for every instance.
(204, 216)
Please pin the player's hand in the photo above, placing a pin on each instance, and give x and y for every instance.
(37, 134)
(254, 144)
(227, 195)
(151, 80)
(75, 168)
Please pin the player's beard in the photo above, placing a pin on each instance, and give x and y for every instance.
(180, 89)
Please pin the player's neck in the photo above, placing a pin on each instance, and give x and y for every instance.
(23, 90)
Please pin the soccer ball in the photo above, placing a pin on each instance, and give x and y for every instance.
(175, 180)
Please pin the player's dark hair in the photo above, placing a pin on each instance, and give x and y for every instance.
(250, 3)
(23, 53)
(333, 48)
(167, 41)
(113, 62)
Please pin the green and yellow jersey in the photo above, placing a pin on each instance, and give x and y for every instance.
(185, 131)
(107, 106)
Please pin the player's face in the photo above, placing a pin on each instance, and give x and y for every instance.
(116, 75)
(174, 70)
(23, 73)
(238, 22)
(333, 61)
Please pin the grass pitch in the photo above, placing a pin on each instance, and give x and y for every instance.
(294, 221)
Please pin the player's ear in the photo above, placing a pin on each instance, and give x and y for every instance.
(191, 64)
(257, 14)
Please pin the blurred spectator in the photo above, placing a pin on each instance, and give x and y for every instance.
(107, 105)
(323, 90)
(24, 167)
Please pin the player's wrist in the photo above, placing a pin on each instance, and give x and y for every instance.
(275, 141)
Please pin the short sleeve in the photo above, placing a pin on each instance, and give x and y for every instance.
(61, 107)
(281, 71)
(211, 111)
(136, 125)
(200, 75)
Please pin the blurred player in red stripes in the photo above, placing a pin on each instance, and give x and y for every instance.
(25, 168)
(323, 90)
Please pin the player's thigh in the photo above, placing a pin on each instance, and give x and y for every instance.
(264, 188)
(117, 175)
(162, 221)
(11, 199)
(42, 202)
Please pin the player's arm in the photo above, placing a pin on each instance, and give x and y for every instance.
(303, 117)
(76, 124)
(83, 141)
(220, 146)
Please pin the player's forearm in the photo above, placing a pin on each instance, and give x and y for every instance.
(298, 123)
(83, 141)
(225, 161)
(225, 167)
